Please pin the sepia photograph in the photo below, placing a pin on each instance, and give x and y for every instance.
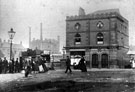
(67, 46)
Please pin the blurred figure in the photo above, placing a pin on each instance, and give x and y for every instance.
(5, 65)
(27, 69)
(33, 65)
(82, 65)
(16, 66)
(36, 66)
(10, 66)
(21, 64)
(1, 66)
(13, 65)
(132, 63)
(42, 60)
(68, 64)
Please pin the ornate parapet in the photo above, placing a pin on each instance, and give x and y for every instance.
(96, 16)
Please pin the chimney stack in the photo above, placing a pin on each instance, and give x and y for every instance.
(81, 11)
(41, 38)
(29, 37)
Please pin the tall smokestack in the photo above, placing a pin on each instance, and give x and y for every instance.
(58, 39)
(41, 37)
(29, 37)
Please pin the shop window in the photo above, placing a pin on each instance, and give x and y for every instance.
(100, 38)
(77, 39)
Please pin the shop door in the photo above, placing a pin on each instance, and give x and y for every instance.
(104, 61)
(95, 61)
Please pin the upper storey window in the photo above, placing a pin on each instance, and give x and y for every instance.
(77, 39)
(100, 38)
(77, 26)
(100, 24)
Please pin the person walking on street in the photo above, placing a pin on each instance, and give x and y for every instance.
(68, 63)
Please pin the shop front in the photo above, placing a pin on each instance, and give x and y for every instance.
(76, 55)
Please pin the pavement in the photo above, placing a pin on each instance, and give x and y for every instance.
(18, 81)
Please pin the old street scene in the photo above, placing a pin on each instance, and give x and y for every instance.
(67, 46)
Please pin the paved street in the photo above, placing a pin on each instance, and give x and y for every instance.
(106, 80)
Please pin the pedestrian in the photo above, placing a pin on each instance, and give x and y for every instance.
(33, 66)
(43, 64)
(28, 69)
(68, 64)
(82, 65)
(13, 65)
(5, 65)
(10, 66)
(21, 64)
(132, 63)
(16, 66)
(0, 65)
(36, 66)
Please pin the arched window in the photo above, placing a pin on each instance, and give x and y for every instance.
(77, 39)
(100, 38)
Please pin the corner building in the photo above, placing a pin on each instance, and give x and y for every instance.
(101, 37)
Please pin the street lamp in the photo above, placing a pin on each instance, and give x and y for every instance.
(11, 34)
(63, 52)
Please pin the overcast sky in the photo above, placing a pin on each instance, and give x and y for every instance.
(22, 14)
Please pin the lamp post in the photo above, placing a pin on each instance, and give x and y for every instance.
(63, 52)
(11, 34)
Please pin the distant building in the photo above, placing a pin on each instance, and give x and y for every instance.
(5, 49)
(50, 45)
(102, 37)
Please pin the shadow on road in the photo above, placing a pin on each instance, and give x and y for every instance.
(72, 86)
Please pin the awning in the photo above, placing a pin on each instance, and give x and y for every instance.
(131, 52)
(77, 50)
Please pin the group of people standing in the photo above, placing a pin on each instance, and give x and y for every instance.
(81, 65)
(16, 66)
(9, 67)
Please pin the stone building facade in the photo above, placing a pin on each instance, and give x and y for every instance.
(5, 49)
(102, 37)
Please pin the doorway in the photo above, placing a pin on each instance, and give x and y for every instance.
(95, 61)
(104, 61)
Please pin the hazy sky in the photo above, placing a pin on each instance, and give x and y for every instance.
(22, 14)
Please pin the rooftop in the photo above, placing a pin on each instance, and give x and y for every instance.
(7, 45)
(99, 14)
(106, 11)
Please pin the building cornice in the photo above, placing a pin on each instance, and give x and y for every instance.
(97, 16)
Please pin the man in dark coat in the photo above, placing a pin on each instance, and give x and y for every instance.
(68, 63)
